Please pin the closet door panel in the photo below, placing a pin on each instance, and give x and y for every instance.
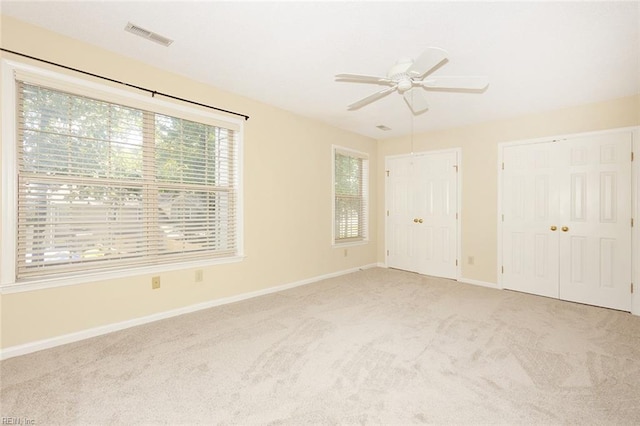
(422, 213)
(530, 210)
(581, 187)
(595, 266)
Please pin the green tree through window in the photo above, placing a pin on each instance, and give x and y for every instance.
(103, 185)
(350, 196)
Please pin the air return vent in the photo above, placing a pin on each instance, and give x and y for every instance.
(383, 128)
(149, 35)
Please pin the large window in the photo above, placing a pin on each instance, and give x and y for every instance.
(351, 195)
(102, 186)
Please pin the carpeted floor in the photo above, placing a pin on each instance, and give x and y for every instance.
(373, 347)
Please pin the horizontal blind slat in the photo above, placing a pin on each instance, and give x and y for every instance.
(87, 202)
(351, 183)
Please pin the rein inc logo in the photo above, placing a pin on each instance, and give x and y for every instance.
(16, 421)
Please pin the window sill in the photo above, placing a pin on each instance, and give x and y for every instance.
(88, 277)
(350, 244)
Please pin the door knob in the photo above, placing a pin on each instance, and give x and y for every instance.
(565, 228)
(415, 220)
(420, 220)
(553, 228)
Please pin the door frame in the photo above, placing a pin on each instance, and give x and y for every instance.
(458, 152)
(635, 201)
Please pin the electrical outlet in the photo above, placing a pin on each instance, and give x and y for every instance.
(155, 282)
(198, 275)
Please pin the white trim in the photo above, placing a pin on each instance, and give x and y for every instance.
(499, 259)
(349, 244)
(88, 87)
(557, 138)
(479, 283)
(458, 152)
(9, 200)
(9, 70)
(460, 280)
(89, 277)
(635, 196)
(39, 345)
(364, 156)
(635, 231)
(459, 213)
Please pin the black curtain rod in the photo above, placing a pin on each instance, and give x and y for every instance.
(153, 92)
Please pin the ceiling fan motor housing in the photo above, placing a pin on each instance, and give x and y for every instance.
(398, 73)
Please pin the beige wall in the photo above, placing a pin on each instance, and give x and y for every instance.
(479, 145)
(287, 200)
(287, 196)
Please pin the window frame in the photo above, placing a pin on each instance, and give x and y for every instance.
(12, 71)
(364, 239)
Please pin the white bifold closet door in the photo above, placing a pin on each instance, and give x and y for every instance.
(566, 230)
(422, 210)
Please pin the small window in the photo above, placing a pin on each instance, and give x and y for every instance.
(351, 195)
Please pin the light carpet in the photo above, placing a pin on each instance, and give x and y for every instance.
(377, 346)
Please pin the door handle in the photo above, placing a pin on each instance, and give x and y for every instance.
(420, 220)
(553, 227)
(565, 228)
(415, 220)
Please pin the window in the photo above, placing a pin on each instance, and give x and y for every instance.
(102, 185)
(351, 195)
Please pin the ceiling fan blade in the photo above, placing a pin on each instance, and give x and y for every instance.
(468, 83)
(427, 61)
(359, 78)
(416, 101)
(371, 98)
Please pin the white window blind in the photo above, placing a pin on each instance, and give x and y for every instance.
(351, 195)
(103, 186)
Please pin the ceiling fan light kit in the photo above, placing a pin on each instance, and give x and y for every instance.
(407, 75)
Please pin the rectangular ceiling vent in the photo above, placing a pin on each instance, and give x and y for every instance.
(383, 128)
(149, 35)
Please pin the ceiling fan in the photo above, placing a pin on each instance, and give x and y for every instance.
(407, 75)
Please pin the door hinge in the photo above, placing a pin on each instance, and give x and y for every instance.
(503, 218)
(631, 155)
(456, 262)
(387, 212)
(503, 269)
(456, 216)
(387, 173)
(631, 288)
(387, 252)
(502, 166)
(456, 167)
(632, 222)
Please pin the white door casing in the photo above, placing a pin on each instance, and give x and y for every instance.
(422, 213)
(566, 218)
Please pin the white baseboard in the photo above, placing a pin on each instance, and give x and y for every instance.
(480, 283)
(462, 280)
(39, 345)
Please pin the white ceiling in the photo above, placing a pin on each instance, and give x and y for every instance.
(538, 55)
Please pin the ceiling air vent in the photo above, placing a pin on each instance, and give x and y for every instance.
(383, 128)
(149, 35)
